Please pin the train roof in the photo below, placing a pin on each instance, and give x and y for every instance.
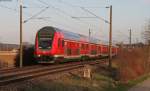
(71, 35)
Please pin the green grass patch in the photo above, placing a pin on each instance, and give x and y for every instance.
(72, 83)
(119, 87)
(138, 80)
(98, 82)
(128, 85)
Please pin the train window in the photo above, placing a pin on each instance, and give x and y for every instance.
(87, 46)
(45, 40)
(68, 51)
(82, 46)
(99, 48)
(69, 44)
(62, 43)
(59, 42)
(77, 51)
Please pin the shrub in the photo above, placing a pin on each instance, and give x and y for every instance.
(28, 57)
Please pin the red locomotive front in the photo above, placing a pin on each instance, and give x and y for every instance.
(45, 44)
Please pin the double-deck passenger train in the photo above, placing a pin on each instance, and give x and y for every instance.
(55, 45)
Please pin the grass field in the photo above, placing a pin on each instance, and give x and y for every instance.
(130, 67)
(7, 59)
(72, 83)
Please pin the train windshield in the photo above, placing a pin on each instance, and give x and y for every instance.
(45, 39)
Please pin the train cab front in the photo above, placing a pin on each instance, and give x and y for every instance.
(43, 45)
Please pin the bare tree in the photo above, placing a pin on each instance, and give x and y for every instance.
(146, 37)
(146, 33)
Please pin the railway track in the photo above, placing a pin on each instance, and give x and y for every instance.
(2, 71)
(16, 75)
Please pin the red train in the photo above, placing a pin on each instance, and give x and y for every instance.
(54, 45)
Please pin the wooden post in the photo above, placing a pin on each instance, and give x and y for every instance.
(21, 46)
(110, 39)
(87, 71)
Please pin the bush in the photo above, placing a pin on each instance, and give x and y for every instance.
(28, 57)
(131, 63)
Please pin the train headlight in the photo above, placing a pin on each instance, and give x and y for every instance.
(39, 55)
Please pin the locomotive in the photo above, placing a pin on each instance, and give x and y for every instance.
(55, 45)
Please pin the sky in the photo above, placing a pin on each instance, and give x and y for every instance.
(127, 14)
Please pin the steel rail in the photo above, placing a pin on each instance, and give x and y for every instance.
(28, 74)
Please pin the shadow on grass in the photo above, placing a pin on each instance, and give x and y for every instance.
(112, 73)
(57, 86)
(28, 57)
(75, 76)
(119, 87)
(112, 77)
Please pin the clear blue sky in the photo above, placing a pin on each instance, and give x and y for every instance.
(126, 14)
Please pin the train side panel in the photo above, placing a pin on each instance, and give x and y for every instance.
(68, 48)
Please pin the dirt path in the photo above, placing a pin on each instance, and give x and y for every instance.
(144, 86)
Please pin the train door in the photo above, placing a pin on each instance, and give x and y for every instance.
(65, 47)
(78, 49)
(60, 46)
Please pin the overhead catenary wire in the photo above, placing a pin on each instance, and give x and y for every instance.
(68, 26)
(36, 14)
(95, 16)
(86, 10)
(54, 8)
(72, 5)
(60, 10)
(40, 18)
(69, 4)
(32, 17)
(84, 17)
(13, 9)
(28, 7)
(2, 6)
(63, 12)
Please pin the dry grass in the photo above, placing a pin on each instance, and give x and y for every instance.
(132, 63)
(11, 59)
(61, 82)
(7, 60)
